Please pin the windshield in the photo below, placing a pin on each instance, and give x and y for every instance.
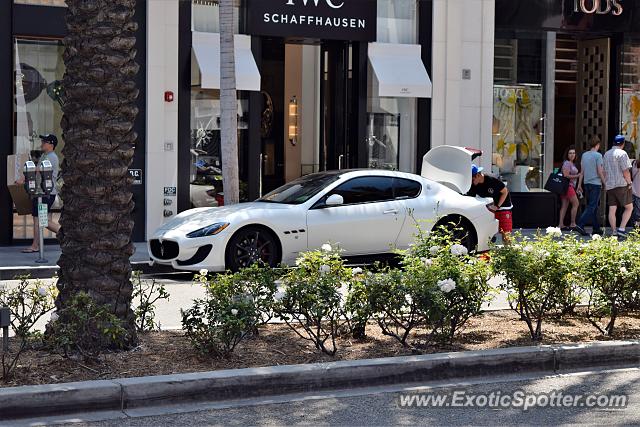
(302, 189)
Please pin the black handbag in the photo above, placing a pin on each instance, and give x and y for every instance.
(557, 184)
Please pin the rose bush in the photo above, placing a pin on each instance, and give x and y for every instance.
(313, 301)
(538, 275)
(609, 270)
(234, 307)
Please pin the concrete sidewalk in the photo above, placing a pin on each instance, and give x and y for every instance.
(13, 262)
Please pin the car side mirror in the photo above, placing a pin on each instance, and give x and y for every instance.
(334, 200)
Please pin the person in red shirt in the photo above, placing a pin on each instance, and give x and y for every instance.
(488, 186)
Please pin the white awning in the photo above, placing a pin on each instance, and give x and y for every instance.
(206, 47)
(399, 70)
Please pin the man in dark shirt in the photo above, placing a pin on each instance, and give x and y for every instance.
(488, 186)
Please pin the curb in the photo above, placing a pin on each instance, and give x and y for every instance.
(130, 393)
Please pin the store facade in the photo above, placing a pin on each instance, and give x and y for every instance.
(316, 91)
(565, 71)
(31, 34)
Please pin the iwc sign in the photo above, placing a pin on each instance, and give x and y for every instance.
(318, 19)
(600, 7)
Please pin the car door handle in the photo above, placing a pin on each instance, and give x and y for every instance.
(391, 212)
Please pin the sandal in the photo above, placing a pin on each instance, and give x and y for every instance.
(30, 251)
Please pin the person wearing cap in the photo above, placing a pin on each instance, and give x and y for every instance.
(49, 144)
(618, 185)
(487, 186)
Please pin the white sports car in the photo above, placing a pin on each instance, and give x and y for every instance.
(364, 212)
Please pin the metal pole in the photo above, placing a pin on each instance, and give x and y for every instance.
(41, 260)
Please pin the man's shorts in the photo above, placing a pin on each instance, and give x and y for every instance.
(47, 200)
(505, 221)
(619, 196)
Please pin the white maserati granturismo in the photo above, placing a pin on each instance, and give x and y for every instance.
(363, 212)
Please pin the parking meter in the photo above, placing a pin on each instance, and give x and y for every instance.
(46, 169)
(30, 178)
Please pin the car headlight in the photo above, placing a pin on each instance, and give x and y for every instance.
(209, 230)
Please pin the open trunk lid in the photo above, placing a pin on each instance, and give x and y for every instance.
(450, 166)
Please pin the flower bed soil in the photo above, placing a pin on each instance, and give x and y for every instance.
(161, 353)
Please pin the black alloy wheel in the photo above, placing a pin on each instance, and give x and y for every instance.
(252, 245)
(461, 232)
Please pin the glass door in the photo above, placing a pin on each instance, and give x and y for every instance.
(336, 113)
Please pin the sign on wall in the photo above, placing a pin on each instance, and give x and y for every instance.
(600, 7)
(317, 19)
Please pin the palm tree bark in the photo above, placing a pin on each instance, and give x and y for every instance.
(98, 130)
(228, 106)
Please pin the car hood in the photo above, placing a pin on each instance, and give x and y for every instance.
(450, 166)
(197, 218)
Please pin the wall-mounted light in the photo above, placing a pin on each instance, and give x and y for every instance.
(293, 121)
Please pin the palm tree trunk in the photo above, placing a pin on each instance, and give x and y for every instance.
(228, 106)
(100, 140)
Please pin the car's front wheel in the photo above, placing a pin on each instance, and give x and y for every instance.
(252, 245)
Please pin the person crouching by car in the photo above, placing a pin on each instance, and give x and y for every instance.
(488, 186)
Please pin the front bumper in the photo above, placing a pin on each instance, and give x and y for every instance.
(187, 254)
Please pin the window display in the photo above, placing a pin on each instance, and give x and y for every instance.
(518, 135)
(38, 71)
(630, 95)
(391, 127)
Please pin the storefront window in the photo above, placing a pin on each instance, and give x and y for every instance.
(391, 127)
(39, 70)
(518, 112)
(630, 94)
(206, 165)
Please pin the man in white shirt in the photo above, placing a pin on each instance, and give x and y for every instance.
(618, 185)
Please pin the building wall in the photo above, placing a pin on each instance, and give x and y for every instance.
(463, 38)
(162, 117)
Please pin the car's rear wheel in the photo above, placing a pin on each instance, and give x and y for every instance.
(252, 245)
(461, 230)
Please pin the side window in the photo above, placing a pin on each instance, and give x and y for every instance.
(406, 188)
(366, 189)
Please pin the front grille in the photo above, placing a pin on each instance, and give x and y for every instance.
(164, 250)
(202, 253)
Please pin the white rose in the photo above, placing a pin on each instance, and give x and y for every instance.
(54, 317)
(596, 237)
(42, 292)
(458, 250)
(357, 271)
(234, 311)
(446, 285)
(554, 231)
(325, 269)
(433, 250)
(204, 272)
(527, 248)
(428, 262)
(327, 247)
(623, 270)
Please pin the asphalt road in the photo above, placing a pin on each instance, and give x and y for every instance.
(380, 407)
